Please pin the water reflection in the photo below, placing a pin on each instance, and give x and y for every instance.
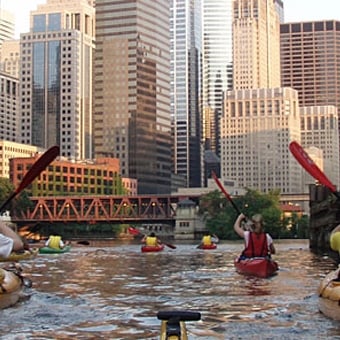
(115, 293)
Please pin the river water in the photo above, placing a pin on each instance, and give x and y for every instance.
(115, 292)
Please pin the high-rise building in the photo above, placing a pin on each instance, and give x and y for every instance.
(185, 29)
(10, 57)
(56, 77)
(9, 107)
(319, 128)
(132, 90)
(217, 66)
(257, 127)
(256, 44)
(310, 64)
(260, 118)
(7, 25)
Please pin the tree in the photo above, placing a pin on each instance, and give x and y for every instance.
(220, 215)
(20, 203)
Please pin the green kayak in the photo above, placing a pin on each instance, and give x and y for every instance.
(49, 250)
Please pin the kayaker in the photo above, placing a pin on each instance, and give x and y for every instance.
(55, 242)
(257, 242)
(208, 239)
(10, 241)
(335, 239)
(151, 240)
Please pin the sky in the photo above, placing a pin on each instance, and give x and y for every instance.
(295, 10)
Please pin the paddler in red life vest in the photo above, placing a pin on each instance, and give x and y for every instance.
(257, 242)
(151, 240)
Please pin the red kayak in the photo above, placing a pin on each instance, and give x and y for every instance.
(256, 266)
(149, 249)
(211, 246)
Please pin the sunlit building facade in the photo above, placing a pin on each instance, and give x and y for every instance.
(310, 64)
(56, 77)
(132, 90)
(186, 116)
(217, 66)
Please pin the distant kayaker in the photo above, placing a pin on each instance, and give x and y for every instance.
(9, 241)
(208, 239)
(335, 239)
(55, 242)
(151, 240)
(257, 242)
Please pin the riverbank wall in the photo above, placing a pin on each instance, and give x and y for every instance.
(324, 217)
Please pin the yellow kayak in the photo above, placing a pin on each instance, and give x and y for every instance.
(11, 287)
(26, 255)
(329, 295)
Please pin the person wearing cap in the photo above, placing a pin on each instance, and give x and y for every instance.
(9, 241)
(257, 242)
(335, 239)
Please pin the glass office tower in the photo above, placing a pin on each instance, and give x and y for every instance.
(56, 78)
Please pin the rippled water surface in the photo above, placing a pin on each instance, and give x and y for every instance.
(115, 293)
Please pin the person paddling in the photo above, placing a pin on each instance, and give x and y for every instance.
(151, 240)
(10, 241)
(55, 242)
(257, 242)
(208, 240)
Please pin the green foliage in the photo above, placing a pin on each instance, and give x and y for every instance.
(220, 215)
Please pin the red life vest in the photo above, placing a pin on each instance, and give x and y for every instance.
(257, 245)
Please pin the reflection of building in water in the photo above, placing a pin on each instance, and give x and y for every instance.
(160, 229)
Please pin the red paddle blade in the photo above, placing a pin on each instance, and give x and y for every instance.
(133, 231)
(308, 164)
(37, 167)
(170, 245)
(40, 165)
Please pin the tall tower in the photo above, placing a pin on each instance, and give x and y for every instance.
(185, 28)
(56, 77)
(7, 25)
(256, 44)
(132, 90)
(217, 66)
(260, 118)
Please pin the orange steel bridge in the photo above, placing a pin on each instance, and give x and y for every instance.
(101, 209)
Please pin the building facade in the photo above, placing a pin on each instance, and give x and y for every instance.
(310, 64)
(132, 90)
(256, 44)
(56, 77)
(9, 107)
(9, 150)
(257, 127)
(186, 116)
(65, 178)
(217, 66)
(319, 128)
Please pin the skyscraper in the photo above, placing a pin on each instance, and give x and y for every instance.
(260, 118)
(185, 28)
(56, 77)
(132, 90)
(217, 66)
(256, 44)
(7, 26)
(310, 64)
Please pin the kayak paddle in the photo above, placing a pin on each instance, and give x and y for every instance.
(309, 165)
(134, 231)
(219, 184)
(40, 164)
